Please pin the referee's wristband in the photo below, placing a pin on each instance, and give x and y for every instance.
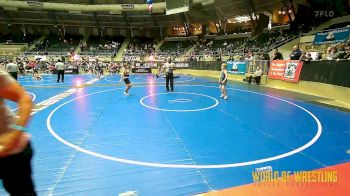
(17, 127)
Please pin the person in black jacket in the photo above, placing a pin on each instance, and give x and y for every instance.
(296, 53)
(277, 55)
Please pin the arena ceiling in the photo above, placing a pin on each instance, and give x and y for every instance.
(220, 10)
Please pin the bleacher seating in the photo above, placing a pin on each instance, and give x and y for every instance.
(174, 49)
(101, 47)
(56, 46)
(138, 49)
(17, 38)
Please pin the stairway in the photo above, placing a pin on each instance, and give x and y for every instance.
(121, 51)
(188, 52)
(41, 39)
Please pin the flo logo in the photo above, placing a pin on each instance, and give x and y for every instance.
(327, 14)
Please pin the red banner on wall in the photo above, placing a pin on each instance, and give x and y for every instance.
(285, 70)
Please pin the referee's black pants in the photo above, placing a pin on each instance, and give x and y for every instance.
(14, 75)
(169, 78)
(60, 75)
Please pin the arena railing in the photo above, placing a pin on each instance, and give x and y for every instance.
(251, 66)
(14, 44)
(45, 53)
(99, 53)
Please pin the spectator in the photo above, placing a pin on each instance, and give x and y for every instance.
(341, 54)
(296, 53)
(333, 54)
(265, 56)
(305, 57)
(308, 57)
(326, 56)
(13, 69)
(257, 76)
(347, 52)
(277, 55)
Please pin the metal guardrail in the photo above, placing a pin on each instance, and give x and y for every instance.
(46, 53)
(253, 65)
(14, 44)
(206, 65)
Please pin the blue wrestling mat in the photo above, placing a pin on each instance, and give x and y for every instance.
(97, 141)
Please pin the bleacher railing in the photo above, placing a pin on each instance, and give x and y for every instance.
(14, 44)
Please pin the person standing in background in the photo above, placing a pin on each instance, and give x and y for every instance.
(223, 81)
(97, 69)
(169, 75)
(125, 76)
(15, 148)
(60, 67)
(13, 69)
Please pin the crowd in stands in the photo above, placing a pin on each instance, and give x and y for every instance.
(337, 52)
(18, 38)
(340, 51)
(272, 39)
(56, 45)
(215, 49)
(235, 49)
(144, 49)
(138, 49)
(239, 48)
(96, 46)
(173, 49)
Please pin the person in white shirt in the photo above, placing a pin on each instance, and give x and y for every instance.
(169, 75)
(257, 76)
(15, 148)
(60, 70)
(13, 69)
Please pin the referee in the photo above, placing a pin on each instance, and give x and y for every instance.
(13, 69)
(60, 70)
(169, 75)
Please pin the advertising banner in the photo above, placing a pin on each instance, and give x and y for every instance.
(237, 67)
(333, 36)
(141, 70)
(285, 70)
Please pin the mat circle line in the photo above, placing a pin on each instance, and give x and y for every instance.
(53, 83)
(169, 110)
(163, 165)
(189, 80)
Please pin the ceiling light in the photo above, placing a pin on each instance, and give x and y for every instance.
(242, 18)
